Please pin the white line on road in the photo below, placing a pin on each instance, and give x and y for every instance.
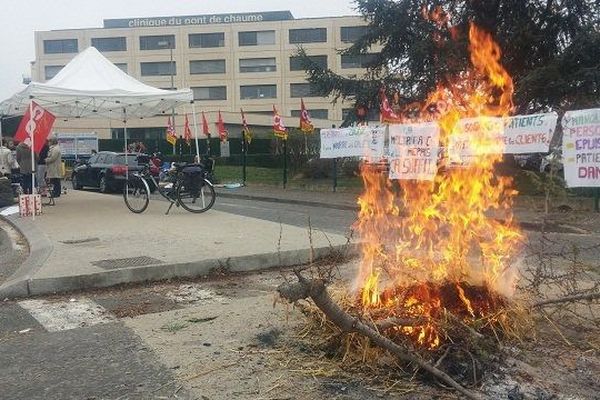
(64, 315)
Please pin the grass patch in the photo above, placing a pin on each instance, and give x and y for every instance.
(274, 176)
(175, 326)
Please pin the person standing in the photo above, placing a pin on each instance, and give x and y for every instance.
(25, 165)
(6, 160)
(40, 172)
(53, 166)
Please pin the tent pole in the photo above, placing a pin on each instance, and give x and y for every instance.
(1, 116)
(31, 135)
(126, 149)
(195, 132)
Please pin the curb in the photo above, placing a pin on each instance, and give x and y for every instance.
(159, 272)
(40, 248)
(288, 201)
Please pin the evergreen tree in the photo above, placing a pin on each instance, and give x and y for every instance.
(551, 48)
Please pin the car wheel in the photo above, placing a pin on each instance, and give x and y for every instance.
(103, 185)
(75, 182)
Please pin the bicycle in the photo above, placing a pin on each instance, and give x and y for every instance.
(188, 187)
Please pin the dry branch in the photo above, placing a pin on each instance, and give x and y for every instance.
(315, 289)
(568, 299)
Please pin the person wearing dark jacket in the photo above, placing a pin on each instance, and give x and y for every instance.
(25, 165)
(40, 172)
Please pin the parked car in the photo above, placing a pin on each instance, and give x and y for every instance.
(106, 170)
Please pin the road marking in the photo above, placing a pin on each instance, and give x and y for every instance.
(65, 315)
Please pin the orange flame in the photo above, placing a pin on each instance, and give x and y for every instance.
(444, 231)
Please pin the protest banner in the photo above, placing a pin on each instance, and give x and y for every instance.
(357, 141)
(473, 137)
(581, 148)
(529, 133)
(413, 151)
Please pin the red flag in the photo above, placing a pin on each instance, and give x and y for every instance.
(171, 135)
(306, 124)
(221, 128)
(279, 128)
(187, 132)
(205, 129)
(36, 122)
(246, 130)
(387, 115)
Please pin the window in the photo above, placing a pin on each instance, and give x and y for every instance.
(351, 34)
(207, 67)
(258, 92)
(206, 40)
(159, 68)
(311, 35)
(210, 93)
(296, 62)
(358, 61)
(110, 43)
(318, 113)
(157, 42)
(303, 90)
(122, 66)
(258, 65)
(60, 46)
(257, 38)
(50, 71)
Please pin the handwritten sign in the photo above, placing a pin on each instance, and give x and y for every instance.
(581, 148)
(358, 141)
(529, 133)
(473, 137)
(413, 151)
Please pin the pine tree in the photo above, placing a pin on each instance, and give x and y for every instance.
(551, 48)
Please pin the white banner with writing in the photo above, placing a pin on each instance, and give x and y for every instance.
(472, 137)
(581, 148)
(413, 151)
(357, 141)
(529, 133)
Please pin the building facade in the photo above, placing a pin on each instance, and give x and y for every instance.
(230, 61)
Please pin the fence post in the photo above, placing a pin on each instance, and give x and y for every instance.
(244, 151)
(284, 163)
(335, 183)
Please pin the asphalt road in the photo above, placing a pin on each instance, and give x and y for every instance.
(326, 219)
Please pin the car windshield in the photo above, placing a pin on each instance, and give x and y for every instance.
(132, 160)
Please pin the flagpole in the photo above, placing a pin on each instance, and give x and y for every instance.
(32, 134)
(195, 131)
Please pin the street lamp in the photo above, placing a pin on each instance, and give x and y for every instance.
(164, 43)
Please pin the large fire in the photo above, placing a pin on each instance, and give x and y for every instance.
(447, 245)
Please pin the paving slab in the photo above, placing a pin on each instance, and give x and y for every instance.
(96, 241)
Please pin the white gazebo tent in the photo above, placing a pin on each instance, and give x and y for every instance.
(90, 86)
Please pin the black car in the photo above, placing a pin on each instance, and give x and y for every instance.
(106, 170)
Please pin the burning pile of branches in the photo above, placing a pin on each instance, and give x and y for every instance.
(437, 269)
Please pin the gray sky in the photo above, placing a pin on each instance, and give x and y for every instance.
(20, 18)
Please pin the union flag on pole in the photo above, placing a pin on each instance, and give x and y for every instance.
(387, 115)
(36, 124)
(187, 132)
(223, 134)
(205, 129)
(279, 128)
(171, 135)
(306, 124)
(245, 129)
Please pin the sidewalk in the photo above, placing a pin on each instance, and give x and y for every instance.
(95, 241)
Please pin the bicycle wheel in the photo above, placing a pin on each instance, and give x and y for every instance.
(198, 197)
(136, 194)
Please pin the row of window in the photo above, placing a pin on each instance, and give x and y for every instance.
(246, 65)
(349, 34)
(249, 92)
